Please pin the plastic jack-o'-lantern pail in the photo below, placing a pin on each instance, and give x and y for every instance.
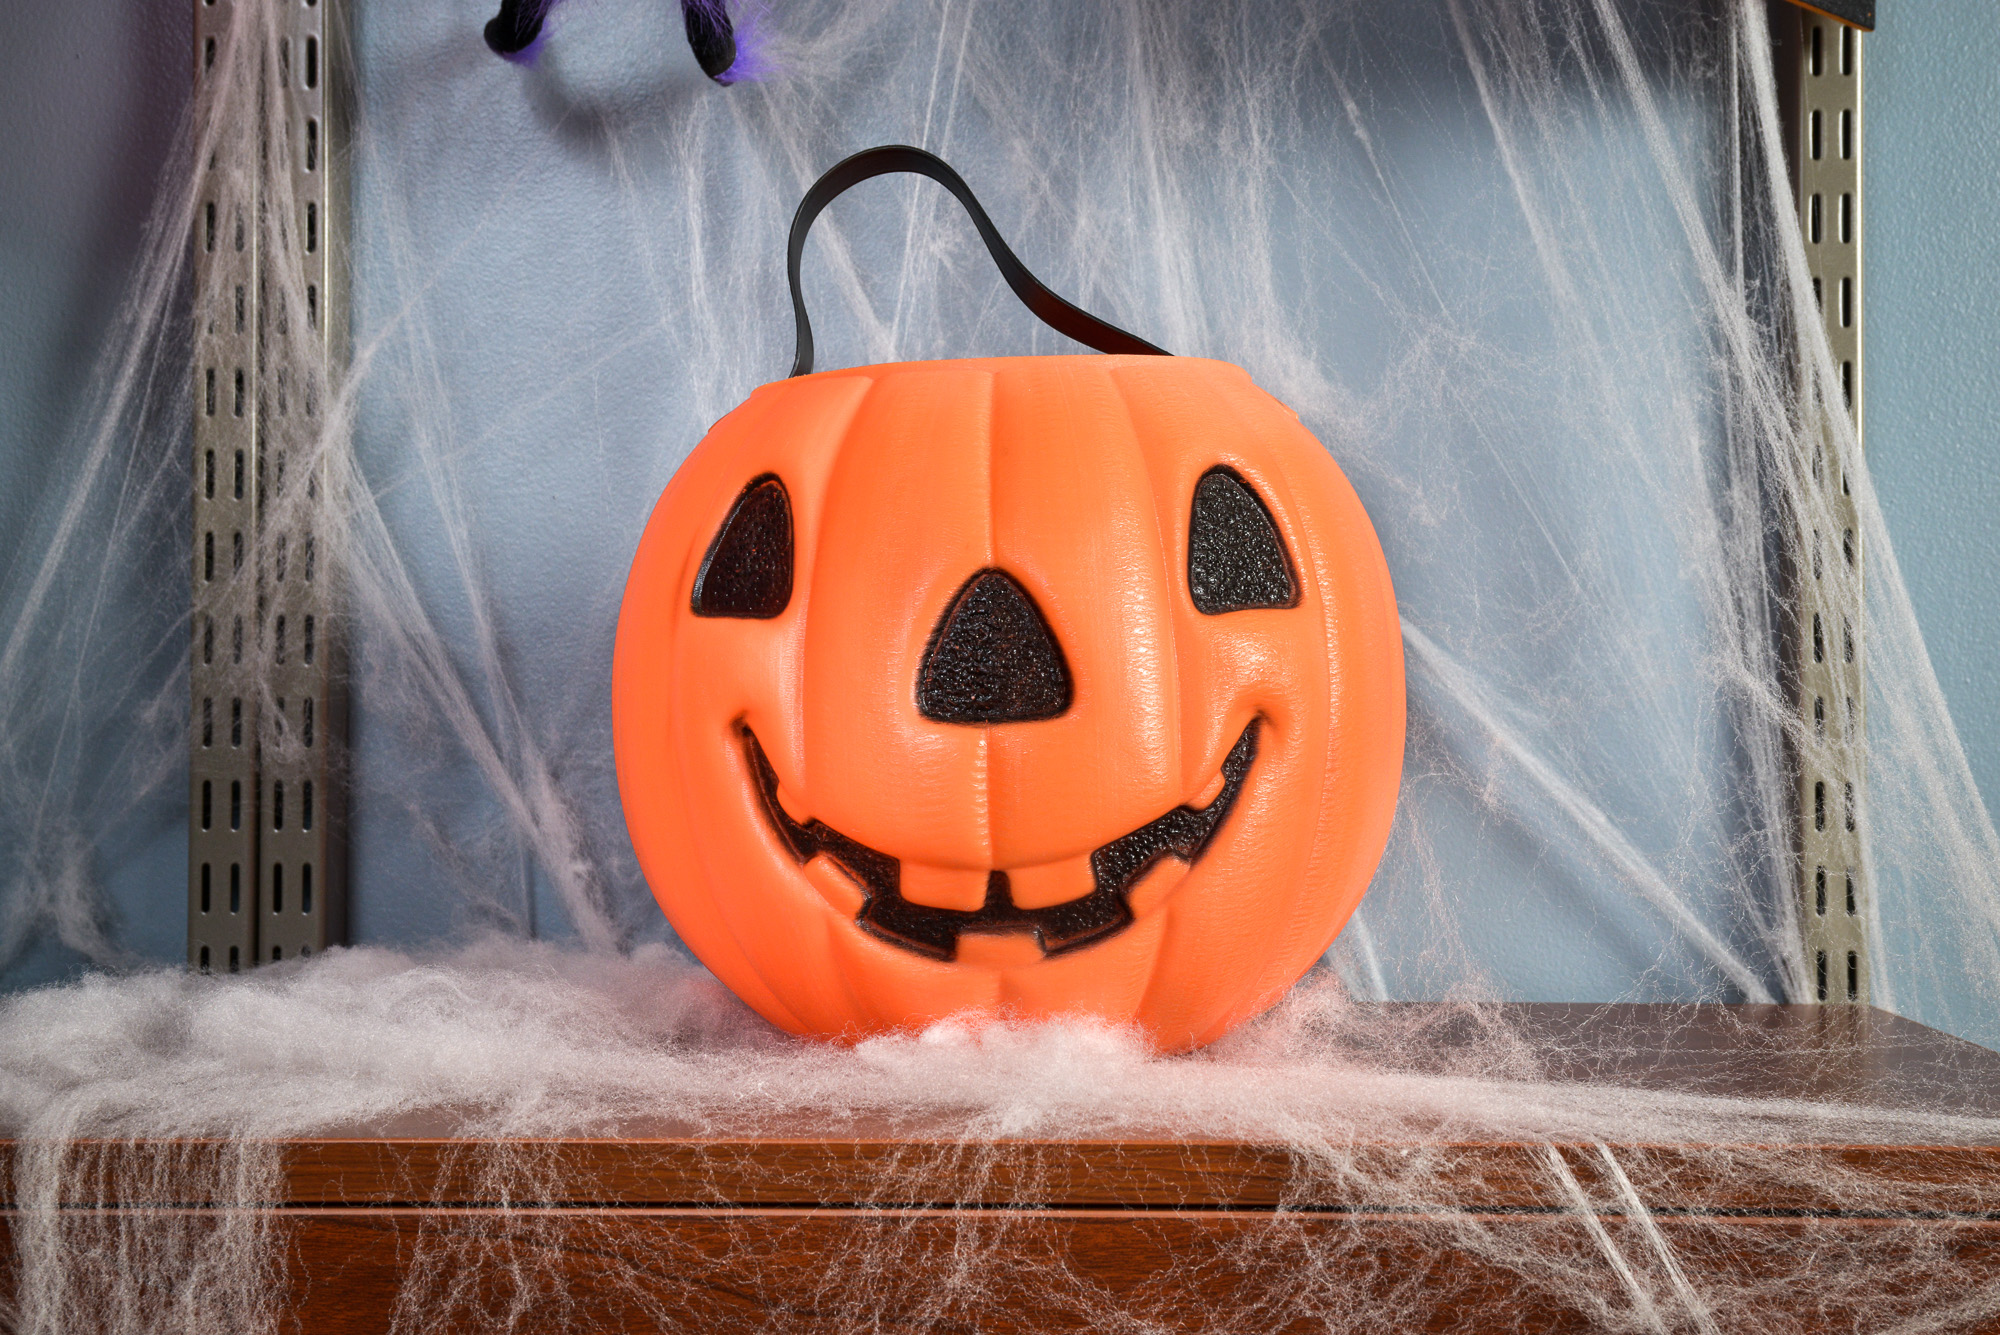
(1033, 686)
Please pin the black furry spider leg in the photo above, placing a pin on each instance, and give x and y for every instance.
(710, 35)
(516, 26)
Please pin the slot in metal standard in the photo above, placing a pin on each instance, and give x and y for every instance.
(1828, 663)
(267, 812)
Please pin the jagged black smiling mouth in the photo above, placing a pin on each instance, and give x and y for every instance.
(1184, 833)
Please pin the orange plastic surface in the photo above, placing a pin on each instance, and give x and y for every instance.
(1075, 475)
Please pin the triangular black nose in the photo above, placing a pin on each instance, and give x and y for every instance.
(992, 658)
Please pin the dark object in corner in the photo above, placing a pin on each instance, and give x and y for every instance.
(517, 25)
(709, 33)
(1858, 13)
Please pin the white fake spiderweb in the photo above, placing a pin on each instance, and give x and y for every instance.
(1527, 267)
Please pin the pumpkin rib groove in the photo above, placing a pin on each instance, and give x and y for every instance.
(785, 1017)
(1355, 588)
(1301, 934)
(1295, 453)
(654, 585)
(793, 465)
(1168, 545)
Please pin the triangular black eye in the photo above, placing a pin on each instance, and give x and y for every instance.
(748, 569)
(1236, 560)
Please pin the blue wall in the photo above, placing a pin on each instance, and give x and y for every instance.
(93, 94)
(1932, 357)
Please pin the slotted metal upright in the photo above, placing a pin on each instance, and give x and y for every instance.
(266, 855)
(1819, 48)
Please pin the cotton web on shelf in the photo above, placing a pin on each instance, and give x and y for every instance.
(1527, 267)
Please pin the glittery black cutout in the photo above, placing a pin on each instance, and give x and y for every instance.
(748, 569)
(992, 658)
(1236, 560)
(1184, 833)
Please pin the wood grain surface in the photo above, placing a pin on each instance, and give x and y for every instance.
(812, 1228)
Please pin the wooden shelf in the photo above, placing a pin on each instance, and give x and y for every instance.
(817, 1227)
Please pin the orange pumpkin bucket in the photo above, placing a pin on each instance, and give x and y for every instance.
(1034, 686)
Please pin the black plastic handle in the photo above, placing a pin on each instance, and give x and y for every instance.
(1053, 311)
